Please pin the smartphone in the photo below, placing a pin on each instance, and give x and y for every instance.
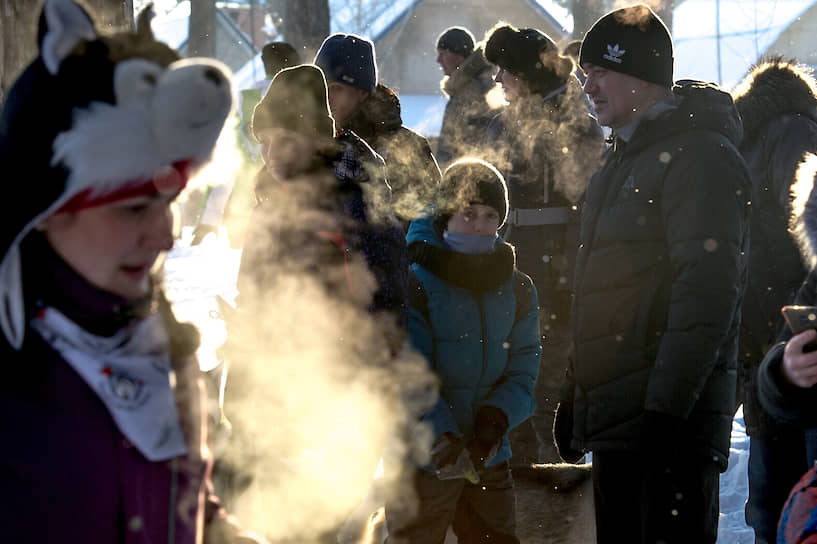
(800, 318)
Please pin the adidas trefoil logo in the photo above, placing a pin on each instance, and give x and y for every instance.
(614, 54)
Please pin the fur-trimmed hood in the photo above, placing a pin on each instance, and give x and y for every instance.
(774, 88)
(379, 113)
(803, 220)
(472, 67)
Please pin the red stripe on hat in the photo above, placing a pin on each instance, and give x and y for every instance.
(166, 179)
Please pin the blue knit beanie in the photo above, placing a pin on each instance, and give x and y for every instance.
(349, 59)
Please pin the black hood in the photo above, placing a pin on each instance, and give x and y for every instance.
(379, 113)
(773, 89)
(702, 106)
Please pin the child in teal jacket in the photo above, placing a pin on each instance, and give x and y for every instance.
(474, 317)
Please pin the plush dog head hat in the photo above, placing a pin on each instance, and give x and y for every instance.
(93, 119)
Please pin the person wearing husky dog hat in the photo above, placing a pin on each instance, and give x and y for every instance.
(106, 443)
(777, 102)
(474, 316)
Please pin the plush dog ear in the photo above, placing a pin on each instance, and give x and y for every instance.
(143, 29)
(66, 24)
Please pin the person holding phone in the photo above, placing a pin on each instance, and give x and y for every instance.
(786, 390)
(788, 374)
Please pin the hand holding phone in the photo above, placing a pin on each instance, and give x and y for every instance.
(799, 363)
(800, 319)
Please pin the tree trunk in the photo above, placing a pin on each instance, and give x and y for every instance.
(202, 31)
(585, 13)
(18, 31)
(111, 15)
(305, 25)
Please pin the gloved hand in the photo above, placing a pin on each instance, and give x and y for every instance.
(563, 433)
(490, 425)
(452, 460)
(445, 450)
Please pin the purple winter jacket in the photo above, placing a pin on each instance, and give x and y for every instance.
(67, 474)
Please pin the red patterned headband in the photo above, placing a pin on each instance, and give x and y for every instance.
(166, 179)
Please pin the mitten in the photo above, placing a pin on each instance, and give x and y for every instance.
(452, 460)
(563, 433)
(490, 425)
(445, 450)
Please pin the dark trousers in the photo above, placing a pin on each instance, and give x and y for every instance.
(776, 463)
(640, 502)
(485, 512)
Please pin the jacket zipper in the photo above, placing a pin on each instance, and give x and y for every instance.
(482, 340)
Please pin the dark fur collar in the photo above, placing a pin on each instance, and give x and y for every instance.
(471, 68)
(803, 220)
(774, 88)
(472, 272)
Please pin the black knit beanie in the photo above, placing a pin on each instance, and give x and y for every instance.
(457, 40)
(530, 55)
(633, 41)
(473, 181)
(296, 100)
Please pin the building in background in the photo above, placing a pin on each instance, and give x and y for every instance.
(715, 40)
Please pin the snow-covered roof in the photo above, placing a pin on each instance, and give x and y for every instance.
(746, 30)
(379, 19)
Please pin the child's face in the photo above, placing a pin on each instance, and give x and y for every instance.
(114, 246)
(286, 153)
(476, 219)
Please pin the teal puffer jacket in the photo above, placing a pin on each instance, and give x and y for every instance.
(481, 342)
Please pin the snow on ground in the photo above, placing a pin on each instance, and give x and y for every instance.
(732, 528)
(194, 275)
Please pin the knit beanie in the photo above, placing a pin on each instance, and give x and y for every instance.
(349, 59)
(279, 55)
(530, 55)
(456, 39)
(473, 181)
(633, 41)
(295, 100)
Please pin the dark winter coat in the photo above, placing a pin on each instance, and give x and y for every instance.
(659, 277)
(69, 474)
(470, 329)
(411, 167)
(467, 112)
(315, 222)
(544, 147)
(365, 196)
(782, 402)
(779, 113)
